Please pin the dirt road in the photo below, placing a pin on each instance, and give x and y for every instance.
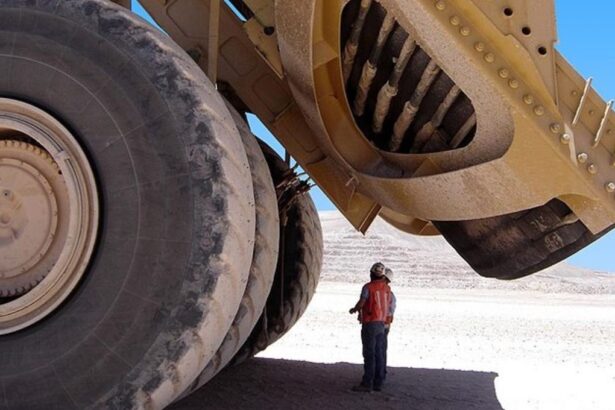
(449, 349)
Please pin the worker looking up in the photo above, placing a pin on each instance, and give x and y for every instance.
(373, 308)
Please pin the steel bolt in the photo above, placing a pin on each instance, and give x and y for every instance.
(513, 84)
(610, 187)
(565, 138)
(465, 31)
(489, 57)
(480, 47)
(592, 169)
(528, 99)
(455, 21)
(582, 157)
(555, 128)
(539, 110)
(504, 73)
(440, 5)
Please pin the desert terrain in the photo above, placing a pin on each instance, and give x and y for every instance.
(458, 341)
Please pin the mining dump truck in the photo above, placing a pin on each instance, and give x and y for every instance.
(148, 239)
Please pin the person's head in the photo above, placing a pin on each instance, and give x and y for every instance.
(388, 275)
(377, 271)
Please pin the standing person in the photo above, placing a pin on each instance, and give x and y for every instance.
(373, 308)
(388, 275)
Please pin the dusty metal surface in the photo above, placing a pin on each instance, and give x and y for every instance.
(505, 160)
(420, 110)
(212, 43)
(28, 216)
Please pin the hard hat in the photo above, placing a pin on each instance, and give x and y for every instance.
(377, 269)
(389, 274)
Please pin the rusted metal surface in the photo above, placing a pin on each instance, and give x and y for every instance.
(411, 107)
(391, 88)
(371, 65)
(350, 49)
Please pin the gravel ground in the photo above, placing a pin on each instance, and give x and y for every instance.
(448, 349)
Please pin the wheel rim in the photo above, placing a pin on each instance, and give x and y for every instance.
(48, 214)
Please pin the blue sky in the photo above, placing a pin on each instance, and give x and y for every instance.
(586, 40)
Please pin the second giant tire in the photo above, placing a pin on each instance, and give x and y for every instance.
(177, 217)
(297, 277)
(262, 271)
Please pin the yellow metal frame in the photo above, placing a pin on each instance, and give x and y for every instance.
(538, 164)
(528, 148)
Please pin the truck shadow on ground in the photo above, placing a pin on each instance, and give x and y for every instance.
(286, 384)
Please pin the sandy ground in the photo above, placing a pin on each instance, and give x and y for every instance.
(448, 349)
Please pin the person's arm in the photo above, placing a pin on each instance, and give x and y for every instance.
(357, 307)
(361, 302)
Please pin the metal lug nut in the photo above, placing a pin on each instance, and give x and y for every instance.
(582, 157)
(610, 187)
(555, 128)
(565, 138)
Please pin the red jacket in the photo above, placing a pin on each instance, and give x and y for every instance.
(376, 307)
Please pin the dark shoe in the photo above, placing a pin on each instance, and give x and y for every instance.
(362, 388)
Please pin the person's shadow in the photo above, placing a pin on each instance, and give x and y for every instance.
(287, 384)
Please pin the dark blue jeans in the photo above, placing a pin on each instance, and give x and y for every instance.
(385, 346)
(372, 336)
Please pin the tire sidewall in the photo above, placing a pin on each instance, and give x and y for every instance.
(131, 100)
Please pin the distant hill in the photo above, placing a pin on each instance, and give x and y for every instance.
(432, 263)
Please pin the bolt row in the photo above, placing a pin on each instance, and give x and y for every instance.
(490, 58)
(538, 110)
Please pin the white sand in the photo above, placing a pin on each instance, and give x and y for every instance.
(448, 349)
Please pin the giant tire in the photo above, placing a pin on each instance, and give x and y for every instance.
(516, 245)
(262, 271)
(177, 217)
(296, 282)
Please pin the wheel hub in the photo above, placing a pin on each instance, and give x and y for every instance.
(48, 214)
(28, 216)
